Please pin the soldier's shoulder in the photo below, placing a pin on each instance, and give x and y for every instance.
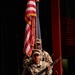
(44, 63)
(27, 62)
(45, 52)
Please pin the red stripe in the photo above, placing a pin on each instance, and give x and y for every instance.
(33, 30)
(31, 0)
(30, 51)
(27, 31)
(26, 44)
(30, 12)
(31, 5)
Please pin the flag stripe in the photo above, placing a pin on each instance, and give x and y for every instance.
(27, 37)
(27, 31)
(31, 9)
(31, 4)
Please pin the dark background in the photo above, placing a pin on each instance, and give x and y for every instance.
(67, 9)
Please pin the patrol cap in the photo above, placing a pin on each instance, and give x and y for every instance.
(36, 51)
(38, 41)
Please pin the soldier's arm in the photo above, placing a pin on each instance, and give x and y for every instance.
(48, 58)
(27, 71)
(49, 71)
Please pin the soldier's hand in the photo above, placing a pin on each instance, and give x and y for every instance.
(49, 67)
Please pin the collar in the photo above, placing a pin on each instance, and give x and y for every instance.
(37, 65)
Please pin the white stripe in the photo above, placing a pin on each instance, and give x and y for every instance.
(27, 38)
(28, 48)
(31, 2)
(27, 26)
(30, 9)
(28, 35)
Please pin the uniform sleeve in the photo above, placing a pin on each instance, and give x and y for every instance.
(48, 57)
(27, 71)
(50, 72)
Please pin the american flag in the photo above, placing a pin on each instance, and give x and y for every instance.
(29, 38)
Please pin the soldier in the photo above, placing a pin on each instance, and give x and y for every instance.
(45, 55)
(37, 65)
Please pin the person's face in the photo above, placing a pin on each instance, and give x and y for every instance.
(39, 46)
(36, 58)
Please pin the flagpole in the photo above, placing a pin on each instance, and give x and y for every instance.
(36, 30)
(37, 25)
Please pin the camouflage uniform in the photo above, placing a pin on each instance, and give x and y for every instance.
(26, 61)
(32, 69)
(46, 57)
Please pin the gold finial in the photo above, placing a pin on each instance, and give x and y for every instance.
(37, 0)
